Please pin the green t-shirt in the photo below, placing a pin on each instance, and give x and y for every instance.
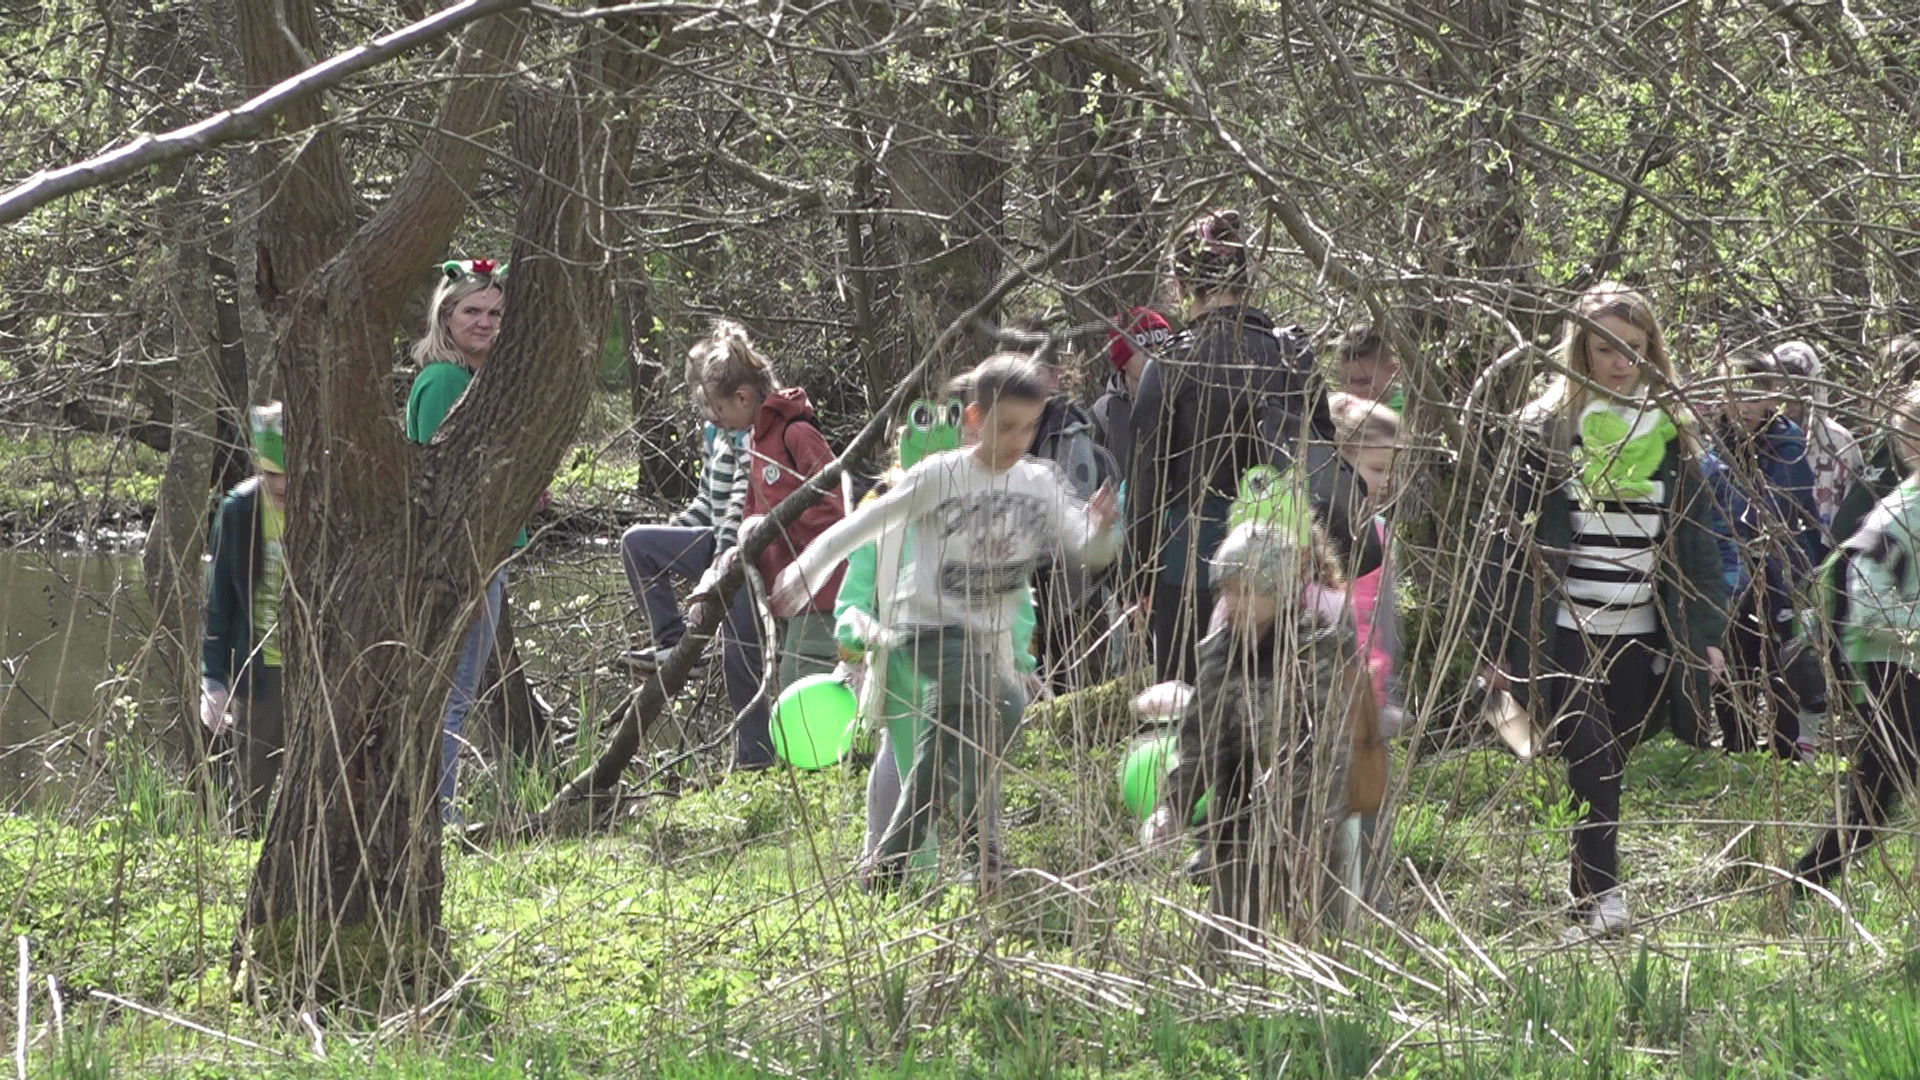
(266, 595)
(435, 390)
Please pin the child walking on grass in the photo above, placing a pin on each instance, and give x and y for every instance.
(1882, 638)
(893, 693)
(983, 518)
(1282, 729)
(240, 663)
(1763, 487)
(1606, 586)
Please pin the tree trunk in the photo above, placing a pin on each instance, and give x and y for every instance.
(187, 393)
(175, 580)
(388, 544)
(948, 192)
(1093, 187)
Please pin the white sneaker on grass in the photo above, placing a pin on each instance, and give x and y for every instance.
(1609, 917)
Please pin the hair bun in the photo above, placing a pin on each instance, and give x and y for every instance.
(1211, 253)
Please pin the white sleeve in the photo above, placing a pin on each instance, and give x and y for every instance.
(908, 499)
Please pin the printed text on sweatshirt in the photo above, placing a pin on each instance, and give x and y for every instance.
(980, 535)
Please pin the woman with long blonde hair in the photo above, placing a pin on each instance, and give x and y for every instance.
(1608, 499)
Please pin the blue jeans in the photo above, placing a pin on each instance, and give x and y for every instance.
(466, 688)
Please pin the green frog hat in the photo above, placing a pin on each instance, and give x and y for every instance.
(1271, 497)
(931, 427)
(269, 437)
(1618, 456)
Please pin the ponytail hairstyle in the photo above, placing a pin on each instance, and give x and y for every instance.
(725, 360)
(1567, 398)
(458, 280)
(1210, 256)
(1005, 376)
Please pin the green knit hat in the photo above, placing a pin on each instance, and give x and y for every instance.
(269, 438)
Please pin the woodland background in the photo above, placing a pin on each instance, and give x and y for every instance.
(848, 179)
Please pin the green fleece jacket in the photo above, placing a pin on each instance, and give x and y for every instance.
(1883, 582)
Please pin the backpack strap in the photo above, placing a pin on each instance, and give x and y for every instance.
(793, 462)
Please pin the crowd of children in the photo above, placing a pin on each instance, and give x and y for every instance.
(1657, 547)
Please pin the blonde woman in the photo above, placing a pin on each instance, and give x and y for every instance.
(1608, 572)
(462, 321)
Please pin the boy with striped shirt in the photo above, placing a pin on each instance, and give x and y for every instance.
(688, 542)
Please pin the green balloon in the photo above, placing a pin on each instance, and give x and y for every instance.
(1141, 774)
(811, 721)
(1145, 767)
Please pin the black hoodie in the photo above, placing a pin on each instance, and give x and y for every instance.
(1232, 392)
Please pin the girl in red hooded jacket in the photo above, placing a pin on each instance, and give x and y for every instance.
(785, 449)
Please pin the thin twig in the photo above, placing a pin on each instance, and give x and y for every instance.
(248, 118)
(148, 1010)
(20, 1018)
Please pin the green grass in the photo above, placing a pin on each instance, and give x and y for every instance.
(720, 935)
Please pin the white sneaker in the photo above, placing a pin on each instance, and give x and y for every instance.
(1609, 917)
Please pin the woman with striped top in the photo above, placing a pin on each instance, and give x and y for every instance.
(1605, 586)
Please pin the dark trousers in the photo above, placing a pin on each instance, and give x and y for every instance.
(1071, 631)
(1179, 621)
(957, 758)
(250, 751)
(1604, 687)
(654, 555)
(1756, 675)
(1182, 596)
(1883, 767)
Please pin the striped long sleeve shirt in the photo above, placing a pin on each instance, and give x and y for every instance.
(723, 489)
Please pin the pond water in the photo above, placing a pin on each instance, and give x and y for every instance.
(73, 625)
(70, 624)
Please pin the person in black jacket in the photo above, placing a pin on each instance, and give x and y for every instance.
(1232, 393)
(1887, 460)
(240, 694)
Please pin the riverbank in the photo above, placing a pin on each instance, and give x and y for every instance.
(720, 934)
(80, 492)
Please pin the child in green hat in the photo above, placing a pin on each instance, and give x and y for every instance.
(240, 660)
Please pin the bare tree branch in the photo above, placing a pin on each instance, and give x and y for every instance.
(242, 121)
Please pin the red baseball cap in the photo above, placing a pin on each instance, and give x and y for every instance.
(1147, 330)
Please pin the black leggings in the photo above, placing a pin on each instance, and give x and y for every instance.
(1884, 767)
(1604, 689)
